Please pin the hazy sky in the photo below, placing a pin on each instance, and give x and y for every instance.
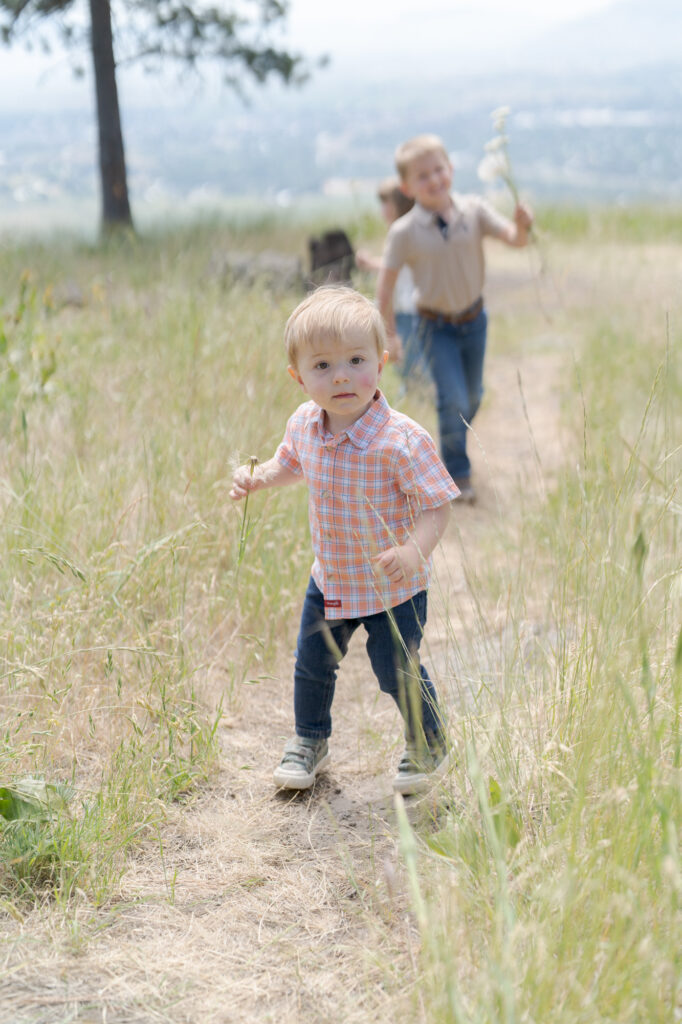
(381, 24)
(382, 35)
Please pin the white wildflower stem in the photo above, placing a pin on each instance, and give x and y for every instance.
(244, 531)
(497, 165)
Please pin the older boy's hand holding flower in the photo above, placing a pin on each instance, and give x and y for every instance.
(523, 216)
(523, 223)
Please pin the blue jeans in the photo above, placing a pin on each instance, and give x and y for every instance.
(413, 363)
(393, 639)
(455, 357)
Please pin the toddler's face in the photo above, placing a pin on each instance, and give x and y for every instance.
(429, 179)
(341, 375)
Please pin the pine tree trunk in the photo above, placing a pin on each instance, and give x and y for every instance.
(115, 204)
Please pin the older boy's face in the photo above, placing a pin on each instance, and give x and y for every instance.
(428, 180)
(341, 375)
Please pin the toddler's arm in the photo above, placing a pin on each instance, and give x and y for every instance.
(403, 560)
(385, 288)
(267, 474)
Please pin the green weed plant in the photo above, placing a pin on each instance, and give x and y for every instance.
(549, 887)
(126, 627)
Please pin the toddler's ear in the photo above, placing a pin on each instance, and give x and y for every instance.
(293, 372)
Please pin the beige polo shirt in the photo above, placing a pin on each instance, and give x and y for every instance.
(448, 272)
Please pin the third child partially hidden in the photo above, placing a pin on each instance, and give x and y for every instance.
(379, 501)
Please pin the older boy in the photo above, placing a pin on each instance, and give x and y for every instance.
(379, 501)
(441, 240)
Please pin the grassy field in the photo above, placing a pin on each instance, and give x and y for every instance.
(144, 666)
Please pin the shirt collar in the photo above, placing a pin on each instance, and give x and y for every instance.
(363, 430)
(427, 217)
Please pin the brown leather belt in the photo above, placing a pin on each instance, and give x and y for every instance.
(453, 318)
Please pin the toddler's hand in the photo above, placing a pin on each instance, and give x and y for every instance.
(398, 563)
(245, 479)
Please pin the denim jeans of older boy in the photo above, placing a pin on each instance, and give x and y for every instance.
(390, 635)
(455, 355)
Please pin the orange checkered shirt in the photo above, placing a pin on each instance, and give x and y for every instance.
(367, 485)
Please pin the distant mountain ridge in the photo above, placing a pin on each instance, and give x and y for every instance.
(612, 138)
(578, 133)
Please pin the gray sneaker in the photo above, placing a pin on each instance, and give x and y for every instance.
(303, 758)
(419, 769)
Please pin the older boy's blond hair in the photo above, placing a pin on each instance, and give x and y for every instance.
(329, 313)
(411, 150)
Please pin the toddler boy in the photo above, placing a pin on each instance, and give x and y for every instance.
(441, 240)
(379, 501)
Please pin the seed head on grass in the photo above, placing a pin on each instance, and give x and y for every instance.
(245, 531)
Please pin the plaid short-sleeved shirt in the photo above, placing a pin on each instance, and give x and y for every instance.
(367, 485)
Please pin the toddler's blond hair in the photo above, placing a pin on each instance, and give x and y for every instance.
(330, 312)
(411, 150)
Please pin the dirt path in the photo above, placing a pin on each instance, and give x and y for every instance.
(268, 907)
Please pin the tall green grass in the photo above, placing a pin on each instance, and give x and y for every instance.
(132, 380)
(619, 224)
(547, 887)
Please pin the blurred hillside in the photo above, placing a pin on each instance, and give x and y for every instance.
(596, 117)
